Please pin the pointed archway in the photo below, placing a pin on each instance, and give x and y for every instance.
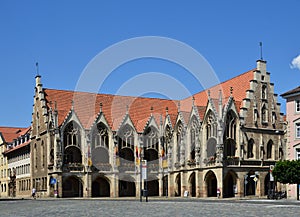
(211, 184)
(251, 185)
(72, 187)
(165, 185)
(100, 187)
(152, 187)
(127, 187)
(192, 185)
(229, 184)
(178, 186)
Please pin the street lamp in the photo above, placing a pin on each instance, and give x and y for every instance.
(141, 158)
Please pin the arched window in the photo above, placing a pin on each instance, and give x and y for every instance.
(151, 138)
(211, 127)
(72, 134)
(100, 136)
(194, 128)
(230, 126)
(179, 134)
(150, 145)
(250, 148)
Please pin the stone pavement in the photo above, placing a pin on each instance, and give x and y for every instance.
(155, 207)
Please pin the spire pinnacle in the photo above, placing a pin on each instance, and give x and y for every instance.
(101, 106)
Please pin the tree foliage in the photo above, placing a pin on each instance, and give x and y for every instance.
(287, 172)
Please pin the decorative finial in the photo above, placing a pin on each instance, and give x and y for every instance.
(193, 100)
(101, 106)
(231, 90)
(37, 68)
(208, 93)
(151, 110)
(179, 106)
(127, 109)
(167, 110)
(72, 104)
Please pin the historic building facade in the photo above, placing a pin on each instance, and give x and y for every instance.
(18, 158)
(13, 142)
(293, 131)
(92, 145)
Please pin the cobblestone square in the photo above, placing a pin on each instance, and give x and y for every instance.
(174, 208)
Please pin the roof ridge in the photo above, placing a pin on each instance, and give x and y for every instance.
(110, 94)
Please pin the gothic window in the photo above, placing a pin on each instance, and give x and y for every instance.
(208, 131)
(179, 131)
(230, 126)
(151, 138)
(211, 127)
(193, 141)
(167, 138)
(100, 136)
(35, 156)
(42, 154)
(126, 143)
(72, 134)
(250, 148)
(269, 149)
(211, 147)
(264, 92)
(150, 144)
(126, 137)
(194, 127)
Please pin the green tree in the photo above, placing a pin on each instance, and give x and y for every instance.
(288, 172)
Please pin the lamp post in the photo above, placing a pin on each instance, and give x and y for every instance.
(141, 176)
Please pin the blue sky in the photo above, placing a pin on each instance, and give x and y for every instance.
(64, 36)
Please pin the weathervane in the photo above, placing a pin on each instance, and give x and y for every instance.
(37, 68)
(261, 51)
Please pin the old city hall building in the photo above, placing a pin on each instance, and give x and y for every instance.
(91, 145)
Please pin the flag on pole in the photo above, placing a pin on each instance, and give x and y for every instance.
(162, 152)
(137, 152)
(116, 151)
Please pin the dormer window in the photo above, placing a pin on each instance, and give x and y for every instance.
(264, 92)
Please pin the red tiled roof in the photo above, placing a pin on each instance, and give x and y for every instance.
(201, 111)
(17, 147)
(114, 107)
(240, 84)
(293, 91)
(11, 133)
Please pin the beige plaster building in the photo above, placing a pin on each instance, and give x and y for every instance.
(7, 138)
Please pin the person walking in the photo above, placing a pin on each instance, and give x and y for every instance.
(218, 192)
(33, 193)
